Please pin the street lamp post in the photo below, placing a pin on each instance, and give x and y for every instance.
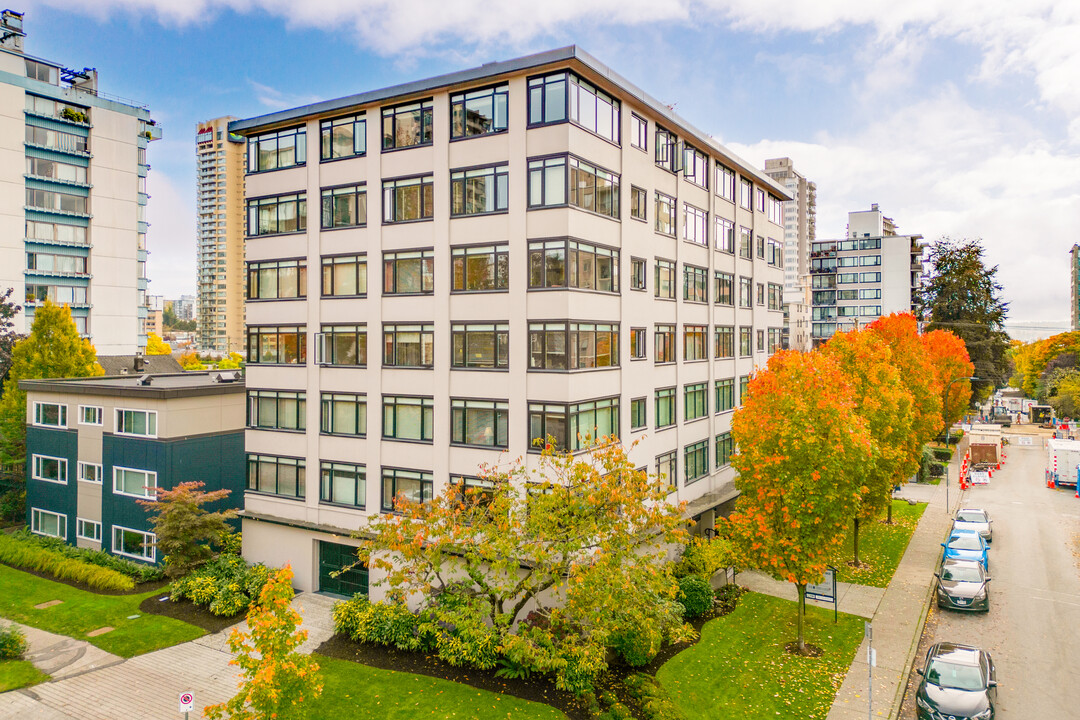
(948, 426)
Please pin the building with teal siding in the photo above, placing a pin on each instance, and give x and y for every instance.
(95, 446)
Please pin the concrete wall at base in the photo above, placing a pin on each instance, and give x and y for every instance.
(275, 545)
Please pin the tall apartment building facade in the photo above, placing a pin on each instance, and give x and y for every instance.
(72, 195)
(219, 180)
(550, 252)
(800, 231)
(872, 272)
(1074, 288)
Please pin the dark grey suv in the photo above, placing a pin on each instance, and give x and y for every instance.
(959, 682)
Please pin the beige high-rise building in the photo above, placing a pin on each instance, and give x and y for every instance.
(800, 229)
(72, 195)
(219, 183)
(443, 272)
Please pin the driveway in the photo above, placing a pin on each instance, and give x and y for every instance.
(1034, 616)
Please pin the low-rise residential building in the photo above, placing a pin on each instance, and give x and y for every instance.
(95, 446)
(551, 252)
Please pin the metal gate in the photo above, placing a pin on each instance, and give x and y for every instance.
(332, 558)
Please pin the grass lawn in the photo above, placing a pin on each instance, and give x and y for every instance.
(739, 668)
(880, 546)
(357, 691)
(82, 611)
(15, 674)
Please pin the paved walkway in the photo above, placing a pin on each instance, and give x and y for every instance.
(61, 656)
(147, 686)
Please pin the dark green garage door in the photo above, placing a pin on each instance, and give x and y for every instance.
(333, 557)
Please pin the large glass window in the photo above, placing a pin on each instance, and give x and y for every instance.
(276, 475)
(138, 483)
(61, 201)
(695, 284)
(343, 414)
(49, 262)
(695, 401)
(407, 125)
(408, 418)
(37, 230)
(136, 422)
(725, 342)
(593, 188)
(725, 235)
(547, 182)
(725, 182)
(572, 263)
(479, 190)
(344, 276)
(665, 279)
(478, 345)
(483, 423)
(343, 137)
(695, 342)
(342, 345)
(725, 447)
(479, 112)
(696, 460)
(724, 288)
(57, 140)
(277, 279)
(277, 150)
(637, 413)
(344, 206)
(415, 486)
(746, 347)
(277, 409)
(725, 395)
(696, 166)
(664, 344)
(50, 414)
(573, 345)
(695, 225)
(572, 424)
(277, 345)
(411, 346)
(58, 294)
(667, 466)
(665, 214)
(565, 96)
(48, 468)
(343, 484)
(133, 543)
(480, 268)
(408, 199)
(40, 71)
(279, 214)
(639, 200)
(547, 424)
(43, 522)
(55, 170)
(409, 273)
(665, 407)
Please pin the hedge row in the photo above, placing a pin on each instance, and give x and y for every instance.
(14, 551)
(139, 572)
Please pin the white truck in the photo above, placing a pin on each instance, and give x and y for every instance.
(1062, 459)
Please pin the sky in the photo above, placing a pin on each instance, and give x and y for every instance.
(960, 118)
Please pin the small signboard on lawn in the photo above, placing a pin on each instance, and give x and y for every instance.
(824, 591)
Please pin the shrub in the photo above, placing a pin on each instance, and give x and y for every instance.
(727, 597)
(16, 551)
(937, 470)
(695, 595)
(12, 643)
(226, 585)
(943, 454)
(13, 505)
(703, 558)
(654, 700)
(139, 572)
(637, 645)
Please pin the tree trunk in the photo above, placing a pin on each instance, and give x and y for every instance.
(855, 537)
(802, 613)
(888, 518)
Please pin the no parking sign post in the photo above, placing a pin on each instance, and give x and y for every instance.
(187, 703)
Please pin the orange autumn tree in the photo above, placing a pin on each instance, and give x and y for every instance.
(802, 450)
(949, 357)
(885, 404)
(900, 331)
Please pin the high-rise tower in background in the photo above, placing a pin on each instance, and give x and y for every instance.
(800, 221)
(220, 200)
(72, 195)
(1074, 288)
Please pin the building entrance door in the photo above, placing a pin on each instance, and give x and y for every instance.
(332, 558)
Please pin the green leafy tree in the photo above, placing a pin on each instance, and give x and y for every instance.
(964, 296)
(170, 322)
(802, 450)
(184, 528)
(53, 349)
(275, 680)
(8, 336)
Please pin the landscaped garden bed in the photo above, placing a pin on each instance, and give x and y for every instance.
(93, 570)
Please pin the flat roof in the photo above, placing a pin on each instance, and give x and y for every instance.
(162, 385)
(250, 126)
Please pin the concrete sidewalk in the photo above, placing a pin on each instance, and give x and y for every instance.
(901, 613)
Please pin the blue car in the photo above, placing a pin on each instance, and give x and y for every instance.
(966, 545)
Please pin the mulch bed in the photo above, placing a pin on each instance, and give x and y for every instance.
(189, 612)
(538, 688)
(137, 590)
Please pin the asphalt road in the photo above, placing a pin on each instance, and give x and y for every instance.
(1033, 627)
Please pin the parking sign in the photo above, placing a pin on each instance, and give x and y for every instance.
(187, 702)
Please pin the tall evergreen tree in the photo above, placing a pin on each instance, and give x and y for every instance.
(963, 296)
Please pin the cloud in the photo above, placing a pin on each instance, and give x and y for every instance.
(277, 100)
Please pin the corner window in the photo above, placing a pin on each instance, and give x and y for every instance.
(344, 345)
(277, 279)
(408, 418)
(479, 112)
(277, 150)
(343, 137)
(136, 483)
(277, 409)
(344, 276)
(285, 345)
(343, 484)
(409, 273)
(50, 414)
(136, 422)
(49, 469)
(415, 486)
(133, 543)
(480, 346)
(344, 206)
(408, 346)
(407, 125)
(574, 264)
(275, 475)
(479, 190)
(593, 188)
(565, 96)
(572, 426)
(573, 345)
(480, 268)
(277, 215)
(479, 423)
(43, 522)
(408, 199)
(343, 414)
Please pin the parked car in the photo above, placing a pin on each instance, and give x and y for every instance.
(966, 545)
(962, 585)
(958, 681)
(975, 519)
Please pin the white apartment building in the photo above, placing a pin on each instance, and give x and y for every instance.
(530, 248)
(72, 195)
(800, 230)
(872, 272)
(219, 184)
